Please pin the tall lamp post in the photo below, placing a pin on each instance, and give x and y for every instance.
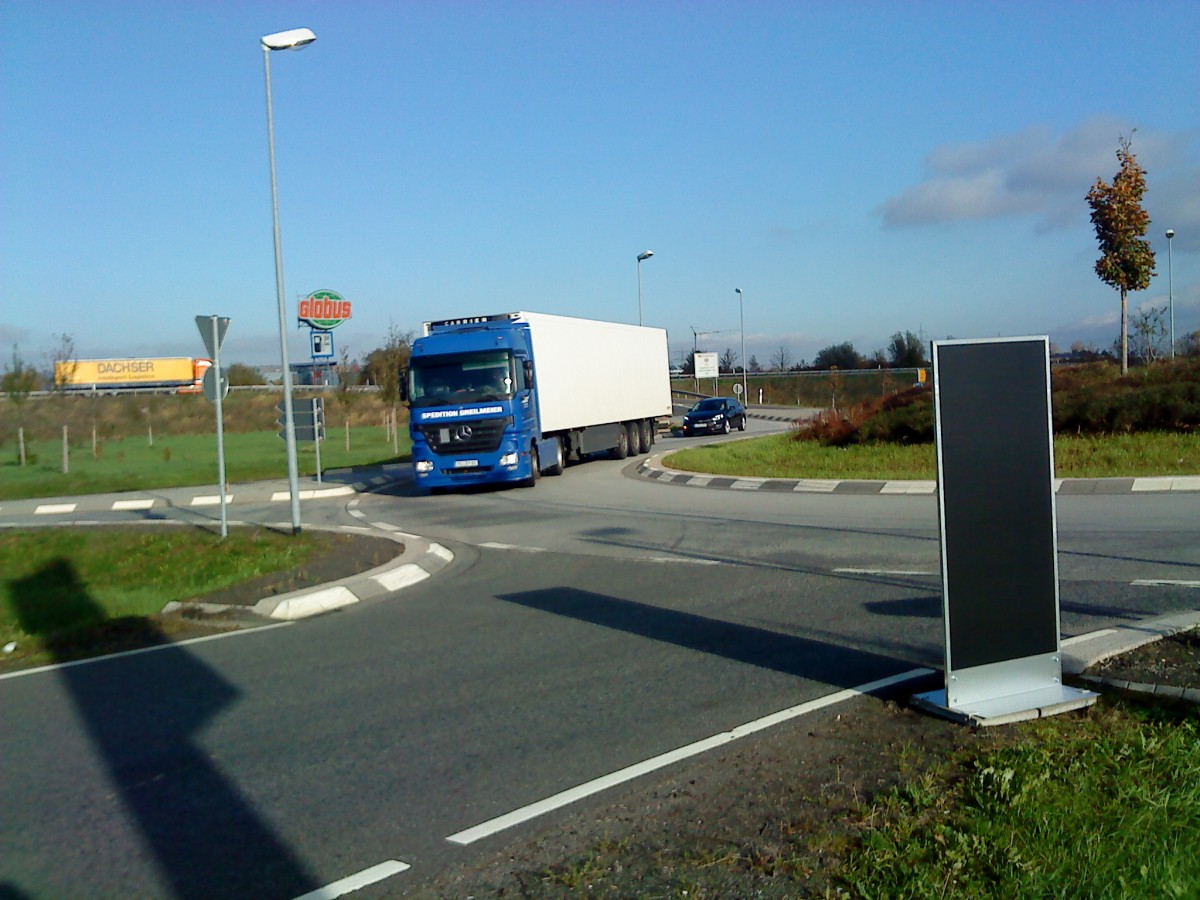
(1171, 288)
(644, 255)
(283, 40)
(742, 318)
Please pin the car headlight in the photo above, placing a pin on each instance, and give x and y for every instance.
(718, 417)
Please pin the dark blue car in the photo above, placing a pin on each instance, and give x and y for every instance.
(715, 415)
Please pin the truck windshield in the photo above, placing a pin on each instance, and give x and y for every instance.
(461, 378)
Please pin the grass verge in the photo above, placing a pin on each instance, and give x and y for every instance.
(779, 456)
(130, 464)
(62, 589)
(1102, 805)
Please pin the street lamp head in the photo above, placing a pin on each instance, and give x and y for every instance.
(289, 40)
(645, 254)
(1170, 233)
(737, 290)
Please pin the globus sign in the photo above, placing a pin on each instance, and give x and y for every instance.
(324, 309)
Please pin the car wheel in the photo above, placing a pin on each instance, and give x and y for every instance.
(742, 424)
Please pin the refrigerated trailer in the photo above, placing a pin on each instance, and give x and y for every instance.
(512, 396)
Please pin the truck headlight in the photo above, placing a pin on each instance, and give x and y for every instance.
(423, 466)
(509, 459)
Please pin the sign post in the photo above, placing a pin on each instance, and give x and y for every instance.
(308, 419)
(995, 458)
(212, 331)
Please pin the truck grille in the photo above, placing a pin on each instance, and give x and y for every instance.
(476, 436)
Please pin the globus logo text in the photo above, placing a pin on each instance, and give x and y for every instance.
(324, 309)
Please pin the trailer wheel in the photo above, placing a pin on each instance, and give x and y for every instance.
(647, 435)
(622, 449)
(635, 438)
(556, 466)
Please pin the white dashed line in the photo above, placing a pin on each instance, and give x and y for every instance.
(55, 509)
(211, 500)
(493, 545)
(357, 882)
(1164, 582)
(132, 504)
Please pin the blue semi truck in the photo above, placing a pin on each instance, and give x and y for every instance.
(513, 396)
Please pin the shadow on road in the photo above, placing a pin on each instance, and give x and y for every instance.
(142, 714)
(818, 661)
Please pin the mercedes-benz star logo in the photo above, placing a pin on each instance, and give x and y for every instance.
(462, 433)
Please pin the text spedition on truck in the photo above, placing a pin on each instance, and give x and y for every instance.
(509, 397)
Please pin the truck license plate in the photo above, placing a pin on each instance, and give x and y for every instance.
(466, 464)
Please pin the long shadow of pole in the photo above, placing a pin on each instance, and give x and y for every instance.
(142, 713)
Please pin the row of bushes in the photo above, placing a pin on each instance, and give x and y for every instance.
(1087, 399)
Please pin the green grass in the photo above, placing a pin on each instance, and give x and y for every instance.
(58, 584)
(1102, 805)
(779, 456)
(130, 464)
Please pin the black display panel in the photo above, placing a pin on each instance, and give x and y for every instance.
(996, 500)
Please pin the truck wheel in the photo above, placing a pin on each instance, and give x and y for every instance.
(535, 471)
(622, 449)
(635, 438)
(556, 465)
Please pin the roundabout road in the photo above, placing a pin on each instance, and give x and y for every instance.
(597, 621)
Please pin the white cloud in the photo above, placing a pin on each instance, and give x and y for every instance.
(1033, 174)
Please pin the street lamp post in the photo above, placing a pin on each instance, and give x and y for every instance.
(1171, 288)
(645, 254)
(742, 317)
(283, 40)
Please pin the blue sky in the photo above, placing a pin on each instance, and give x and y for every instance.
(856, 168)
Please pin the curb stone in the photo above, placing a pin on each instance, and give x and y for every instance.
(419, 560)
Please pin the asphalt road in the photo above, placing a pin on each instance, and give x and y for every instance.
(584, 626)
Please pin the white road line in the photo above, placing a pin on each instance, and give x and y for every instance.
(912, 572)
(680, 559)
(132, 504)
(211, 500)
(357, 882)
(567, 797)
(439, 551)
(493, 545)
(1164, 582)
(53, 509)
(315, 494)
(174, 645)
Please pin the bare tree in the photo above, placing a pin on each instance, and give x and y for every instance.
(782, 359)
(728, 361)
(1149, 334)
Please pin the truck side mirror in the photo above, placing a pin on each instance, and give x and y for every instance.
(404, 385)
(529, 373)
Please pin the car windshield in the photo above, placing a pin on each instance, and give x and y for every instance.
(463, 378)
(712, 404)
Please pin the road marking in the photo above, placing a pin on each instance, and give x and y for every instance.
(132, 504)
(385, 526)
(573, 795)
(747, 484)
(53, 509)
(680, 559)
(493, 545)
(211, 500)
(174, 645)
(357, 882)
(401, 577)
(815, 486)
(315, 494)
(439, 551)
(912, 572)
(1164, 582)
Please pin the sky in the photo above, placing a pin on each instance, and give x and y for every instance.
(856, 168)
